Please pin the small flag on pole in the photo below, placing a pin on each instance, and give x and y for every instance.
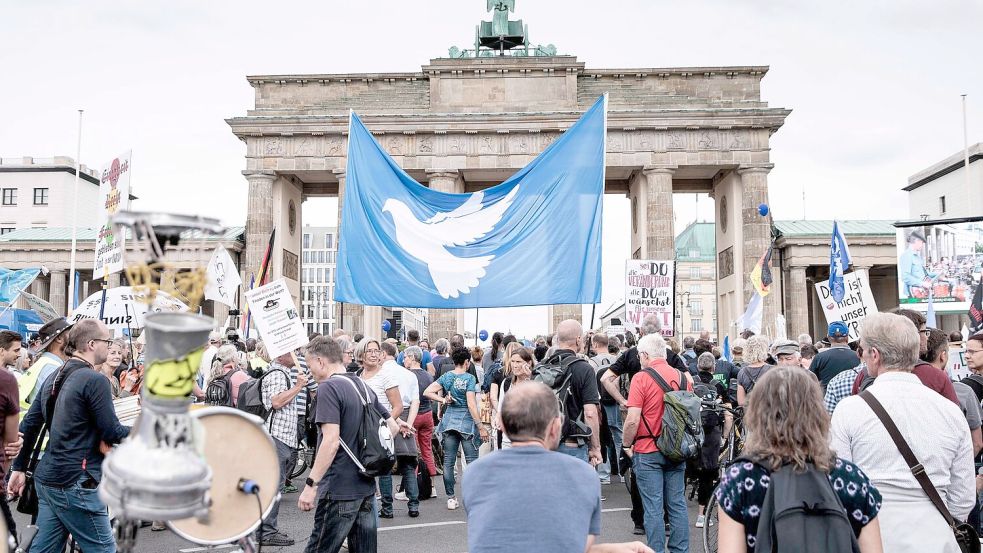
(761, 276)
(839, 262)
(727, 353)
(751, 319)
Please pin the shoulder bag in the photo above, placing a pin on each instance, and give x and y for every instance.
(966, 536)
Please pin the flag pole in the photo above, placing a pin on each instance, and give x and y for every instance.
(75, 216)
(969, 188)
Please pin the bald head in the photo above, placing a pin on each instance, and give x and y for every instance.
(527, 411)
(568, 332)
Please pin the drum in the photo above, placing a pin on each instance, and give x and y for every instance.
(236, 448)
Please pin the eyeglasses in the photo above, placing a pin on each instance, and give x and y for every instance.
(925, 331)
(349, 352)
(106, 341)
(973, 351)
(370, 351)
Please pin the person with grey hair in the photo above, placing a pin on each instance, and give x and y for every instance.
(688, 352)
(413, 340)
(804, 340)
(661, 482)
(537, 478)
(933, 428)
(424, 421)
(755, 357)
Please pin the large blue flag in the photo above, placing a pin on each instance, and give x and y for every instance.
(12, 283)
(534, 239)
(839, 261)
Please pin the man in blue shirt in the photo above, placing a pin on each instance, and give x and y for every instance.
(413, 339)
(911, 266)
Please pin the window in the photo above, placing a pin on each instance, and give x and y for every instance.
(694, 273)
(307, 241)
(695, 308)
(320, 275)
(320, 256)
(329, 241)
(324, 311)
(40, 196)
(329, 275)
(9, 196)
(694, 289)
(307, 257)
(5, 230)
(694, 253)
(696, 325)
(708, 273)
(941, 205)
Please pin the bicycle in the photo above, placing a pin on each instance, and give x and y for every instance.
(731, 451)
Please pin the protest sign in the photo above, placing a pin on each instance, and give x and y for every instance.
(223, 278)
(44, 309)
(956, 367)
(649, 289)
(856, 305)
(114, 195)
(276, 318)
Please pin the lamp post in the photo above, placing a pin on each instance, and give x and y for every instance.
(684, 301)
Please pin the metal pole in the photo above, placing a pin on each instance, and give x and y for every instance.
(969, 188)
(592, 308)
(75, 218)
(476, 310)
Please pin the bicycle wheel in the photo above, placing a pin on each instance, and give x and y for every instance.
(710, 526)
(300, 466)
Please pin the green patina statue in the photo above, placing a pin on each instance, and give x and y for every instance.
(501, 36)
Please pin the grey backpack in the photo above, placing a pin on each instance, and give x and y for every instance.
(681, 436)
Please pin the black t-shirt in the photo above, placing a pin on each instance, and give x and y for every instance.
(424, 380)
(606, 398)
(831, 362)
(583, 389)
(447, 365)
(726, 373)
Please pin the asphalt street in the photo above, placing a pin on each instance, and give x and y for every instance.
(436, 529)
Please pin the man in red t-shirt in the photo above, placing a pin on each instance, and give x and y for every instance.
(660, 481)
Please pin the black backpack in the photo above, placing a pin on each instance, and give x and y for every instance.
(219, 390)
(376, 450)
(250, 397)
(555, 373)
(802, 514)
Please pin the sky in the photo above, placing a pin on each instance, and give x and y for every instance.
(874, 87)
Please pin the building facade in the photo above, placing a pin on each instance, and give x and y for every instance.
(696, 281)
(317, 273)
(37, 193)
(947, 189)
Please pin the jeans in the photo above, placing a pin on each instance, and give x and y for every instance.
(424, 434)
(452, 442)
(612, 448)
(336, 520)
(284, 453)
(406, 465)
(74, 510)
(580, 452)
(660, 480)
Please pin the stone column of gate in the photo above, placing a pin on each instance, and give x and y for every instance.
(757, 236)
(443, 322)
(798, 302)
(660, 241)
(349, 316)
(58, 290)
(259, 220)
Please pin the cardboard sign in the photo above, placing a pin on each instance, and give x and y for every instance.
(650, 289)
(956, 367)
(276, 318)
(856, 305)
(114, 196)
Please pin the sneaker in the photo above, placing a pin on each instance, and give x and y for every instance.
(433, 491)
(401, 496)
(605, 481)
(386, 515)
(414, 514)
(158, 526)
(277, 540)
(639, 530)
(289, 488)
(701, 521)
(452, 503)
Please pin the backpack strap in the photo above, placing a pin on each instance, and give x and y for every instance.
(909, 457)
(666, 388)
(364, 398)
(341, 441)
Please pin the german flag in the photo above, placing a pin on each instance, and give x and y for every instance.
(761, 276)
(264, 267)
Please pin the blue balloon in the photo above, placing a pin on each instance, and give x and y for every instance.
(386, 325)
(763, 210)
(483, 335)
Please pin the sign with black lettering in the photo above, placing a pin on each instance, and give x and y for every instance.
(856, 305)
(649, 289)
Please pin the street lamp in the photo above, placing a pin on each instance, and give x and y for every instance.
(684, 299)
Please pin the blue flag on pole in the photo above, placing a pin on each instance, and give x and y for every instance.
(534, 239)
(727, 353)
(12, 283)
(839, 261)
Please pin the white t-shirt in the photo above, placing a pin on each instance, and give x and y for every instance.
(409, 386)
(383, 380)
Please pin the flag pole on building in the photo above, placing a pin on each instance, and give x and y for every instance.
(75, 214)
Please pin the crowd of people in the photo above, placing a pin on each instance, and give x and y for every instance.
(563, 418)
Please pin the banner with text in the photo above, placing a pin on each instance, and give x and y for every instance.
(856, 305)
(649, 289)
(276, 318)
(45, 310)
(114, 195)
(956, 367)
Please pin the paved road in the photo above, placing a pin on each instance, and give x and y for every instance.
(437, 529)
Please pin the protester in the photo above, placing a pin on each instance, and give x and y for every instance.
(755, 355)
(131, 381)
(52, 351)
(406, 448)
(423, 423)
(494, 353)
(458, 428)
(114, 359)
(348, 511)
(582, 398)
(841, 386)
(447, 363)
(10, 351)
(808, 352)
(838, 358)
(689, 355)
(279, 392)
(937, 355)
(974, 362)
(540, 480)
(207, 358)
(708, 464)
(413, 339)
(441, 350)
(934, 429)
(786, 426)
(385, 383)
(611, 427)
(804, 340)
(661, 482)
(83, 425)
(517, 368)
(725, 372)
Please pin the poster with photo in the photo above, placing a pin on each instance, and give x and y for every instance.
(942, 262)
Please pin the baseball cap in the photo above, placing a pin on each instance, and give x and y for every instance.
(838, 329)
(51, 330)
(785, 347)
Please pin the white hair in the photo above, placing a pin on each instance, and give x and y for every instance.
(651, 325)
(756, 349)
(894, 337)
(652, 345)
(804, 339)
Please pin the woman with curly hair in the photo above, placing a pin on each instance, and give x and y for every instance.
(787, 425)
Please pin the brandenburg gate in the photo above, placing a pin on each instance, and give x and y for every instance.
(462, 124)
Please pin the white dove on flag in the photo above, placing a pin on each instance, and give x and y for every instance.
(428, 240)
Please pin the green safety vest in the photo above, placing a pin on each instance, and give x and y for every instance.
(29, 381)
